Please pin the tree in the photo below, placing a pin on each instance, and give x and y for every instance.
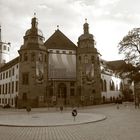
(130, 46)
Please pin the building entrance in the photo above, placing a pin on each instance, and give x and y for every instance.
(62, 94)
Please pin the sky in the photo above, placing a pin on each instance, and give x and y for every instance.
(109, 21)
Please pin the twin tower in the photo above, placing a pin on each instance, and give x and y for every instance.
(56, 71)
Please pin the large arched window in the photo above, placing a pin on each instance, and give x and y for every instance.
(112, 87)
(105, 86)
(116, 87)
(121, 86)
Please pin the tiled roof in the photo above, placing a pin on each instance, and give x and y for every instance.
(9, 64)
(116, 65)
(59, 41)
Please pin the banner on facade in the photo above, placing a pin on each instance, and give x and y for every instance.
(39, 70)
(62, 65)
(90, 73)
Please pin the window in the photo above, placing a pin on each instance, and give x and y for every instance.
(86, 59)
(40, 57)
(13, 71)
(70, 52)
(2, 100)
(72, 84)
(4, 47)
(116, 87)
(105, 86)
(25, 57)
(57, 51)
(51, 51)
(80, 59)
(9, 87)
(64, 52)
(32, 56)
(121, 86)
(6, 101)
(13, 87)
(6, 88)
(16, 86)
(93, 91)
(0, 89)
(9, 73)
(25, 78)
(92, 59)
(112, 87)
(3, 89)
(3, 75)
(72, 92)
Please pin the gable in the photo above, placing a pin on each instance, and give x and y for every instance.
(59, 41)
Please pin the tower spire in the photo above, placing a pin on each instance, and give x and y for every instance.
(86, 28)
(34, 21)
(57, 27)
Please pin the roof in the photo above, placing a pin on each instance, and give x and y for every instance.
(59, 41)
(9, 64)
(116, 65)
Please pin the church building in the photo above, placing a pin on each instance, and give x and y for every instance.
(55, 71)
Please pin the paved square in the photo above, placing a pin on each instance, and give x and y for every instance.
(121, 124)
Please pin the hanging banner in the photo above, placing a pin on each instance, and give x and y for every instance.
(90, 73)
(39, 70)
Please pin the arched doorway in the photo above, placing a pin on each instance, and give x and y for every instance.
(62, 93)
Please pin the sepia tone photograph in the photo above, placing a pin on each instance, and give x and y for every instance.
(69, 70)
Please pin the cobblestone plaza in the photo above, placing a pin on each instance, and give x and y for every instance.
(120, 124)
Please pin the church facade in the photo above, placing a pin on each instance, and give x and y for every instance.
(56, 72)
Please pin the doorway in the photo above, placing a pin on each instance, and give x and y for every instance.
(62, 93)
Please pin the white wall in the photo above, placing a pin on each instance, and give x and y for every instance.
(13, 78)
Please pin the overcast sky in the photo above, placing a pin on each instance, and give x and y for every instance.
(109, 20)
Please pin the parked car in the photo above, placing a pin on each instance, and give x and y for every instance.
(7, 106)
